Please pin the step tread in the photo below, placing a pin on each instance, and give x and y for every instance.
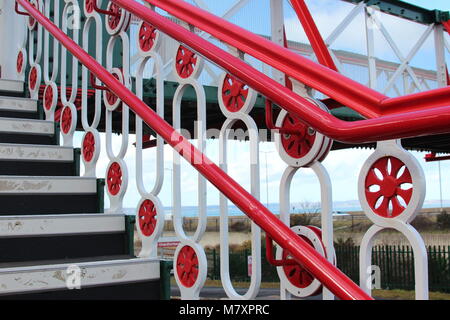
(47, 185)
(34, 152)
(18, 104)
(26, 126)
(52, 225)
(52, 275)
(13, 86)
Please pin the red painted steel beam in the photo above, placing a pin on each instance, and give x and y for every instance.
(312, 32)
(424, 122)
(352, 94)
(336, 281)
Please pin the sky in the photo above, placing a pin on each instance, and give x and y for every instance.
(343, 166)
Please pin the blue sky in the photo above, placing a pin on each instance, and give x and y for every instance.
(343, 166)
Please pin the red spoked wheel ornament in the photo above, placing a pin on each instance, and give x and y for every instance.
(297, 145)
(148, 35)
(19, 62)
(297, 274)
(32, 23)
(296, 278)
(186, 62)
(187, 266)
(234, 93)
(33, 77)
(89, 6)
(118, 20)
(114, 178)
(110, 99)
(66, 120)
(388, 187)
(147, 217)
(88, 146)
(48, 97)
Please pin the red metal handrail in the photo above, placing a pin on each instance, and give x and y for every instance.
(356, 96)
(396, 126)
(330, 276)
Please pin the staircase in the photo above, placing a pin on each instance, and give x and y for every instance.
(54, 234)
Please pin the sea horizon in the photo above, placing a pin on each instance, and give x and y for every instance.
(338, 206)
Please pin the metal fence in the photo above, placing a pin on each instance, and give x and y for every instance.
(396, 264)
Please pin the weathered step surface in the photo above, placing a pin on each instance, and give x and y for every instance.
(13, 107)
(28, 131)
(11, 87)
(38, 160)
(56, 237)
(98, 279)
(27, 195)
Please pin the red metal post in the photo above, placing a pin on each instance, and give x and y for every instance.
(315, 39)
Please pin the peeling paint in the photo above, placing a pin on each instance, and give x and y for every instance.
(120, 274)
(58, 275)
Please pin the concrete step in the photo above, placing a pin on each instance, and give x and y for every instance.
(38, 160)
(27, 195)
(11, 87)
(99, 279)
(28, 131)
(52, 237)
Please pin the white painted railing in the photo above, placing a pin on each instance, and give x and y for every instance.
(389, 168)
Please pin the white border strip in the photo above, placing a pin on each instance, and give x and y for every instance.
(18, 104)
(11, 85)
(29, 152)
(19, 226)
(53, 277)
(26, 126)
(47, 185)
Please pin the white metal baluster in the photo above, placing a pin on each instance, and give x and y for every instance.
(150, 216)
(71, 18)
(116, 173)
(91, 144)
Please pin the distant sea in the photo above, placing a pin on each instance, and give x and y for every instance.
(342, 206)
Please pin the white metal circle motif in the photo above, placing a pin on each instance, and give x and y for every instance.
(118, 21)
(148, 38)
(391, 185)
(149, 224)
(301, 150)
(295, 278)
(235, 96)
(190, 268)
(187, 64)
(110, 99)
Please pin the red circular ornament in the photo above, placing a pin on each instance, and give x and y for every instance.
(114, 178)
(32, 23)
(114, 18)
(66, 120)
(111, 97)
(19, 62)
(147, 36)
(33, 78)
(187, 266)
(90, 6)
(234, 93)
(88, 146)
(186, 61)
(297, 145)
(297, 274)
(384, 186)
(147, 217)
(48, 97)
